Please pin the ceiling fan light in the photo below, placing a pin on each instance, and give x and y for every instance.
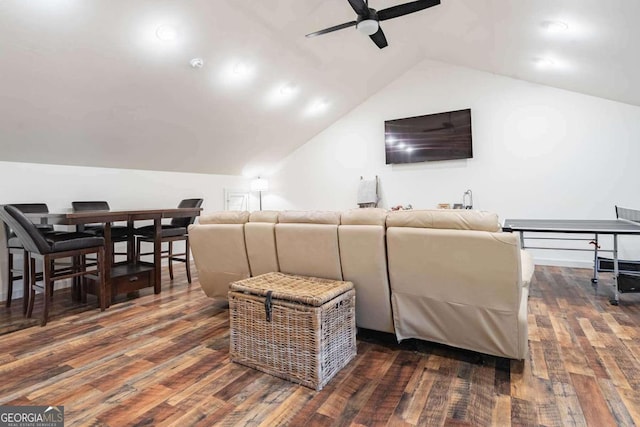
(555, 26)
(368, 26)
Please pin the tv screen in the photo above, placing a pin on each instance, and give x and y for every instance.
(442, 136)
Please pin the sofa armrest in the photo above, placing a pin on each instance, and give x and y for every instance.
(526, 260)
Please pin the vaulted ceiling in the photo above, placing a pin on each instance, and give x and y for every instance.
(91, 83)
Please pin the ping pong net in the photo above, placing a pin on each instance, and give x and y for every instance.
(628, 214)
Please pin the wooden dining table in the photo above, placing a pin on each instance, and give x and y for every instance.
(129, 275)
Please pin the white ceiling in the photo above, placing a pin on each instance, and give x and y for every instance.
(87, 82)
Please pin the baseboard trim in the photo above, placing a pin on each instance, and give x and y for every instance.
(563, 262)
(17, 289)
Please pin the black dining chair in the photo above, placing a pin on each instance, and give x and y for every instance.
(15, 248)
(119, 233)
(51, 247)
(175, 231)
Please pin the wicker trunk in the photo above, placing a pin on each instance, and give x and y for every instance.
(298, 328)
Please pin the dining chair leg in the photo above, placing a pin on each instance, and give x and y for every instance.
(9, 278)
(25, 282)
(48, 289)
(137, 250)
(32, 284)
(187, 261)
(77, 281)
(170, 259)
(51, 290)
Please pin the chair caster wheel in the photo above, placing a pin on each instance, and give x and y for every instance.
(613, 302)
(594, 280)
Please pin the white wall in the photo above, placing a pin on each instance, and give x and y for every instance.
(58, 186)
(539, 152)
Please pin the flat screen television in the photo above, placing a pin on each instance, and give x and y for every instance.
(441, 136)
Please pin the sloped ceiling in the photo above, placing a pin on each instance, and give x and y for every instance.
(89, 82)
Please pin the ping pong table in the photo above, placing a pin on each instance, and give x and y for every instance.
(613, 227)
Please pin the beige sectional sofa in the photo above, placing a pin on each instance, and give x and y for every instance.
(448, 276)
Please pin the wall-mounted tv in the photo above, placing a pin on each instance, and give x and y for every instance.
(441, 136)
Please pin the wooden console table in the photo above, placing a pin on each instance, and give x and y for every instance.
(129, 275)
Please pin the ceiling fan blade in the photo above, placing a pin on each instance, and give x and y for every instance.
(331, 29)
(360, 7)
(405, 9)
(379, 38)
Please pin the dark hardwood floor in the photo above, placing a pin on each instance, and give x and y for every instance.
(163, 360)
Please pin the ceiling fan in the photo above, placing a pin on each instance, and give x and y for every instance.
(368, 19)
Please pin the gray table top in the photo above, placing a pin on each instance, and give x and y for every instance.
(597, 226)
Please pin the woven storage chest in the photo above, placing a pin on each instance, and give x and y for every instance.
(311, 333)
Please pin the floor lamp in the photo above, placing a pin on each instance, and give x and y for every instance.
(259, 185)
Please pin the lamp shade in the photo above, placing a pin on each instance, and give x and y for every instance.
(259, 184)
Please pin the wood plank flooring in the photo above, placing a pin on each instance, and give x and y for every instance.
(163, 360)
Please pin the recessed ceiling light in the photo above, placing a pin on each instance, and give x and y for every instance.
(196, 62)
(241, 69)
(409, 149)
(320, 105)
(316, 107)
(555, 26)
(237, 72)
(282, 93)
(287, 89)
(544, 62)
(166, 33)
(401, 145)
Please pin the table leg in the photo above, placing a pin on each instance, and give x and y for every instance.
(131, 256)
(157, 257)
(616, 295)
(108, 261)
(595, 260)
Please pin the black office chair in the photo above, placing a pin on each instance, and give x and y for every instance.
(15, 247)
(51, 247)
(175, 231)
(119, 233)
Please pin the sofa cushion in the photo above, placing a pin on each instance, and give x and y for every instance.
(309, 217)
(363, 256)
(309, 250)
(365, 216)
(264, 216)
(224, 217)
(456, 219)
(261, 247)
